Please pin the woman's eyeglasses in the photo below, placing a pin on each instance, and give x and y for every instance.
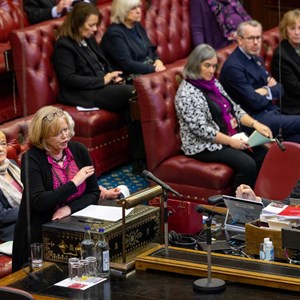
(51, 116)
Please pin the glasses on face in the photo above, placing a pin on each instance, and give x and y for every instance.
(51, 116)
(3, 144)
(252, 38)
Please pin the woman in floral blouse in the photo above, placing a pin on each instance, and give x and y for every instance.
(208, 119)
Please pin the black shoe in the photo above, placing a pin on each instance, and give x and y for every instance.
(138, 166)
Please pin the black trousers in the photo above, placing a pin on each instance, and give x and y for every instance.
(245, 163)
(115, 98)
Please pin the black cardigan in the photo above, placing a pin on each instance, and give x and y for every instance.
(38, 190)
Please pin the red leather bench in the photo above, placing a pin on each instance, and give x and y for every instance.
(104, 133)
(11, 17)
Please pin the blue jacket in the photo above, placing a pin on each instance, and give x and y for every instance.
(240, 78)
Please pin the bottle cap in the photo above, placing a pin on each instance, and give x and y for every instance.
(101, 229)
(267, 239)
(87, 227)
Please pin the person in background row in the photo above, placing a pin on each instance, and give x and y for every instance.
(208, 119)
(42, 10)
(249, 84)
(214, 22)
(126, 44)
(11, 189)
(287, 56)
(246, 192)
(58, 178)
(86, 78)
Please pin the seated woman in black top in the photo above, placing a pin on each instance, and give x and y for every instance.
(84, 74)
(126, 44)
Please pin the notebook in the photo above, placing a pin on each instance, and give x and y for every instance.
(241, 211)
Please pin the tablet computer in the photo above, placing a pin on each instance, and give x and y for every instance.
(241, 211)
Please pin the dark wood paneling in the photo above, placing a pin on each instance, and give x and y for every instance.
(267, 11)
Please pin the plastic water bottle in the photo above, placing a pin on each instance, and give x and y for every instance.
(262, 248)
(102, 255)
(269, 250)
(87, 244)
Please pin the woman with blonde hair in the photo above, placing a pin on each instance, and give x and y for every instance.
(11, 189)
(286, 62)
(58, 177)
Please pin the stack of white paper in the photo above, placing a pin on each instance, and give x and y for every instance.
(102, 212)
(272, 210)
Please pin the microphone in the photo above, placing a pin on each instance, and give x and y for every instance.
(201, 209)
(148, 175)
(280, 145)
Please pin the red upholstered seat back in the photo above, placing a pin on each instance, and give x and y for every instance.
(32, 52)
(160, 123)
(16, 133)
(12, 17)
(270, 42)
(168, 26)
(279, 172)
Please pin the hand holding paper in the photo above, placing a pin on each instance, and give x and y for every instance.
(255, 139)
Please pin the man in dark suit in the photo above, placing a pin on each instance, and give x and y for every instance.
(247, 82)
(43, 10)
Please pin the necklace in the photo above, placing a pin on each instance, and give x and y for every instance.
(58, 160)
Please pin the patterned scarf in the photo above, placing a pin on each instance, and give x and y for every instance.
(209, 87)
(12, 195)
(229, 13)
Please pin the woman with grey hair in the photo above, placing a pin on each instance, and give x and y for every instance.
(208, 119)
(126, 44)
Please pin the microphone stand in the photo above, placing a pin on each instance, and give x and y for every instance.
(209, 285)
(166, 229)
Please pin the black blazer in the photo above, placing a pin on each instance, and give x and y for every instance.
(240, 78)
(43, 199)
(78, 78)
(290, 76)
(128, 49)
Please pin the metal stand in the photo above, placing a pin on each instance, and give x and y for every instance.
(164, 197)
(209, 285)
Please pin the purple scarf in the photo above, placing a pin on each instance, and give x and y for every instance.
(213, 92)
(229, 14)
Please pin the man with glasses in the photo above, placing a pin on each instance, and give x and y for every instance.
(248, 83)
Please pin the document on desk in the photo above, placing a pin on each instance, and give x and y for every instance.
(102, 212)
(80, 284)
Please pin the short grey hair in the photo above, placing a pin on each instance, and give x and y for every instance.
(199, 54)
(241, 27)
(120, 9)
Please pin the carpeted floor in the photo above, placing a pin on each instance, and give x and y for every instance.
(123, 175)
